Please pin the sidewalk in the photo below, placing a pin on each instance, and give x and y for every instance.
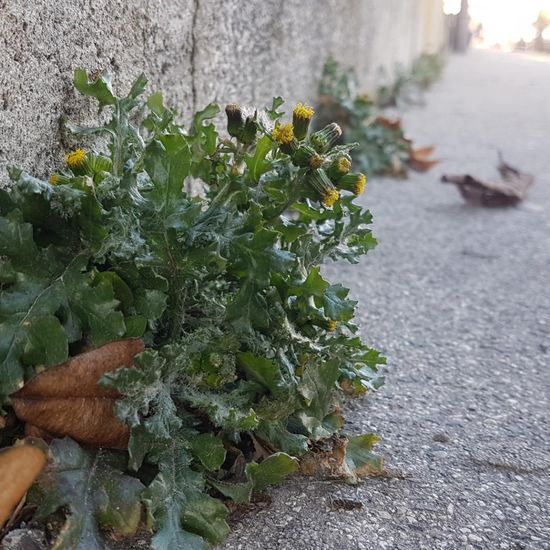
(459, 301)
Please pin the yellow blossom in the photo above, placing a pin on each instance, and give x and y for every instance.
(315, 162)
(54, 179)
(331, 326)
(303, 111)
(360, 185)
(301, 117)
(283, 134)
(344, 165)
(76, 159)
(330, 197)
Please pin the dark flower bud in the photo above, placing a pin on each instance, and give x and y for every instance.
(235, 120)
(248, 134)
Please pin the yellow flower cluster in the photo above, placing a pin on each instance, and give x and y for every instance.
(283, 134)
(330, 196)
(331, 327)
(76, 159)
(360, 185)
(54, 179)
(344, 165)
(315, 162)
(303, 111)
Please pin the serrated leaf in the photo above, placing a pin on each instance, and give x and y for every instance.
(138, 87)
(209, 112)
(255, 256)
(240, 493)
(360, 459)
(271, 471)
(278, 436)
(206, 516)
(248, 309)
(314, 285)
(96, 492)
(208, 449)
(151, 303)
(175, 498)
(317, 386)
(167, 160)
(262, 370)
(48, 305)
(229, 410)
(100, 88)
(256, 163)
(272, 112)
(147, 392)
(336, 305)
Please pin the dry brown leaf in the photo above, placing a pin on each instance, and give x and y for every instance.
(261, 449)
(390, 124)
(19, 467)
(66, 400)
(478, 192)
(423, 153)
(419, 159)
(325, 460)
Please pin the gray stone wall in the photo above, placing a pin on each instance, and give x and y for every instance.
(195, 51)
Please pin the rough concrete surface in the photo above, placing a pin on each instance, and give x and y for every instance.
(195, 51)
(458, 299)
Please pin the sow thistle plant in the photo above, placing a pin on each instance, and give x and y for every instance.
(383, 147)
(223, 350)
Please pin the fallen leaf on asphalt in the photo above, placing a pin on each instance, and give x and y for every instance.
(336, 504)
(478, 192)
(66, 400)
(389, 123)
(19, 467)
(419, 159)
(351, 458)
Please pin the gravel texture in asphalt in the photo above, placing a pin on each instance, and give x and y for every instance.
(458, 298)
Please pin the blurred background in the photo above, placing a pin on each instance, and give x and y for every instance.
(504, 25)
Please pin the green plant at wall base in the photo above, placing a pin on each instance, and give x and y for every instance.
(382, 146)
(407, 86)
(247, 345)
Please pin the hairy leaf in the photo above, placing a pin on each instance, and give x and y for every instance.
(96, 493)
(177, 505)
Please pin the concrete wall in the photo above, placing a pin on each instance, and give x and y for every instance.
(195, 51)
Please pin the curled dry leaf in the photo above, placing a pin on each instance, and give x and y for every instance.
(66, 400)
(19, 467)
(419, 159)
(478, 192)
(388, 123)
(351, 458)
(327, 458)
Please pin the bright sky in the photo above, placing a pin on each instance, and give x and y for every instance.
(503, 21)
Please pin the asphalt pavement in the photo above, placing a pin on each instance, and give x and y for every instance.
(458, 298)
